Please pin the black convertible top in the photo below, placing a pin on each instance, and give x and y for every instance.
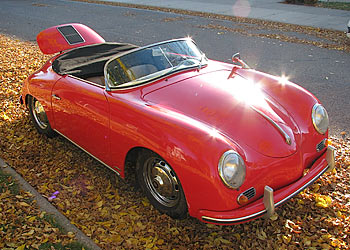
(88, 61)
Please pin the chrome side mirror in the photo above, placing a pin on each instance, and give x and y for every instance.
(236, 58)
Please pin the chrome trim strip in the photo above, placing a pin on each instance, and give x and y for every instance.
(286, 136)
(241, 219)
(206, 218)
(56, 97)
(303, 187)
(89, 153)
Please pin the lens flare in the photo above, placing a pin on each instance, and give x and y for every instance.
(241, 8)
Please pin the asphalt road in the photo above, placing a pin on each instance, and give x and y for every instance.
(323, 72)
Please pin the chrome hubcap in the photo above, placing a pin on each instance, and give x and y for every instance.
(39, 114)
(161, 182)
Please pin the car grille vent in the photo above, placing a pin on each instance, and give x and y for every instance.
(70, 34)
(321, 145)
(250, 193)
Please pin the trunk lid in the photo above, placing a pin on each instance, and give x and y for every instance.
(65, 37)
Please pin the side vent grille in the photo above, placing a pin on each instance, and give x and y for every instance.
(321, 145)
(250, 193)
(71, 34)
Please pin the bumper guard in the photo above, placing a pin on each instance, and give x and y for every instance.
(268, 192)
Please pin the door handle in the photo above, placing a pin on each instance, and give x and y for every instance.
(56, 97)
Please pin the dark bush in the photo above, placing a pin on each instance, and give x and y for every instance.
(302, 1)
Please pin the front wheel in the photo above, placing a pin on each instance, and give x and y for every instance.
(161, 185)
(39, 118)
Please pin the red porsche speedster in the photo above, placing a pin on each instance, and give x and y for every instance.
(222, 142)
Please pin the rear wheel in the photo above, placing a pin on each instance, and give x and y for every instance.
(39, 118)
(161, 185)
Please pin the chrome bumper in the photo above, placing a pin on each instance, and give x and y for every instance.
(268, 192)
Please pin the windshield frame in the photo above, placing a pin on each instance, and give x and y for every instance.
(167, 72)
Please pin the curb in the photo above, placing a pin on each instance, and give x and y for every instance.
(46, 206)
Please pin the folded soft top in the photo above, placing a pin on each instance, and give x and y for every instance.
(89, 60)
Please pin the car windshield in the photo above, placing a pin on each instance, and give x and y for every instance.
(151, 62)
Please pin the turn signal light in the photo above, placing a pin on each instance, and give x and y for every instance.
(242, 199)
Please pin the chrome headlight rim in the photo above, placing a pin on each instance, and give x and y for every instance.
(240, 173)
(315, 111)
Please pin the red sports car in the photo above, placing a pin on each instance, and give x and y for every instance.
(222, 142)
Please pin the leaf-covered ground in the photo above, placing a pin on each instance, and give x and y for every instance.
(22, 224)
(116, 216)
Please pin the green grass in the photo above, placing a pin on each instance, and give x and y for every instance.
(51, 219)
(334, 5)
(7, 182)
(58, 246)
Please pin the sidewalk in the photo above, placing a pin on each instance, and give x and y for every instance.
(270, 10)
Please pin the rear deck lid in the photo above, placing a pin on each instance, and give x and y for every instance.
(66, 36)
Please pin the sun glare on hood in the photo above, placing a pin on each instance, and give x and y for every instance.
(246, 91)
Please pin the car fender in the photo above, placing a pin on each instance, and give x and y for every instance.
(39, 85)
(192, 149)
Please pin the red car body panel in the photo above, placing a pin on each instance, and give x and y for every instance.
(190, 120)
(86, 108)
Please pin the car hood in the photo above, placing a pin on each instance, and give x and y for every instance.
(236, 107)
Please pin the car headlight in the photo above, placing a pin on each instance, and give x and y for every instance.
(232, 169)
(320, 118)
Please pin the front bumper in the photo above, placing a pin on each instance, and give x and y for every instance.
(265, 206)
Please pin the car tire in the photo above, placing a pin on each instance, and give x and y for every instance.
(161, 185)
(39, 118)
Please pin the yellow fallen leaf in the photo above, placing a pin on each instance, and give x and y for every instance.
(21, 247)
(31, 219)
(99, 204)
(6, 117)
(224, 241)
(145, 202)
(160, 242)
(274, 217)
(23, 204)
(116, 238)
(70, 235)
(31, 232)
(238, 236)
(286, 238)
(323, 201)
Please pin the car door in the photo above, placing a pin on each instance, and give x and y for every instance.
(81, 113)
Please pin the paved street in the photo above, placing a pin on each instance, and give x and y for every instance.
(323, 72)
